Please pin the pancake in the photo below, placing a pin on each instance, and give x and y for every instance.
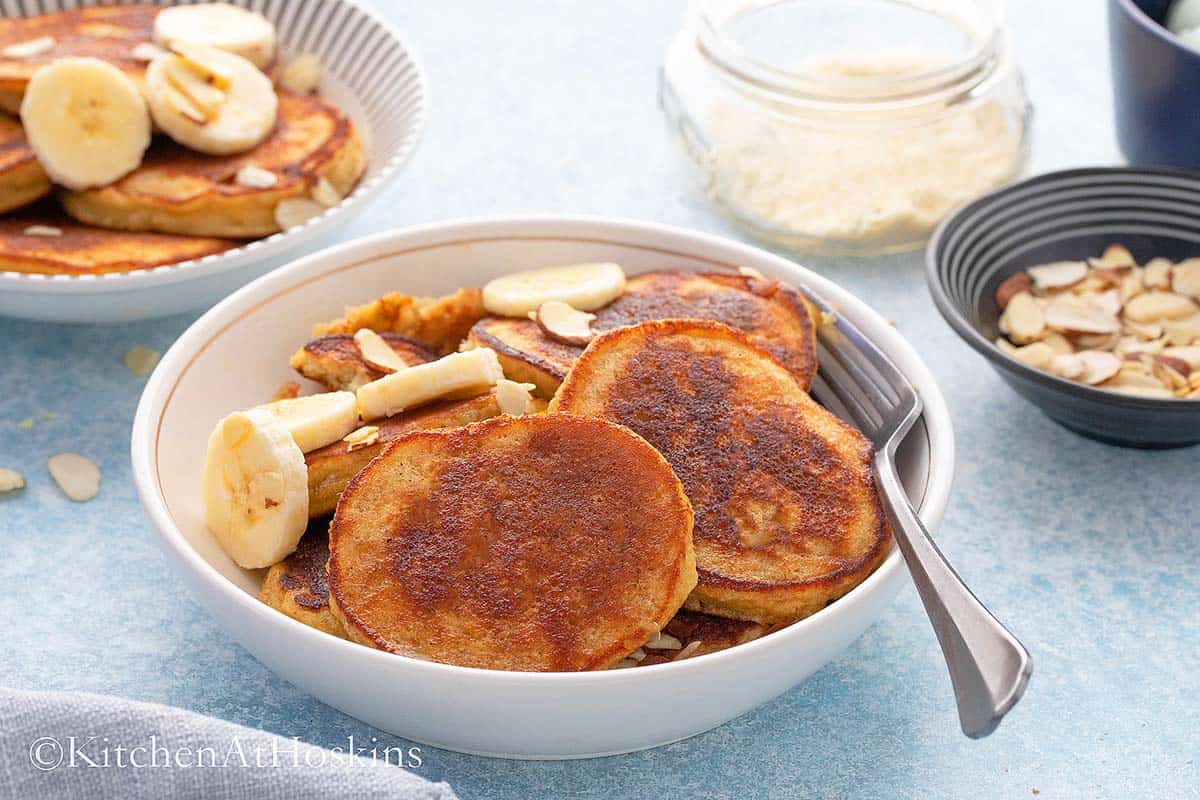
(177, 190)
(701, 634)
(787, 515)
(336, 362)
(332, 467)
(22, 179)
(509, 544)
(84, 250)
(297, 585)
(439, 323)
(109, 33)
(776, 317)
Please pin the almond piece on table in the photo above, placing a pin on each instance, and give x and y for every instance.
(1022, 319)
(1058, 275)
(1185, 277)
(1073, 318)
(77, 476)
(1156, 306)
(1157, 274)
(11, 480)
(377, 352)
(1012, 286)
(1098, 366)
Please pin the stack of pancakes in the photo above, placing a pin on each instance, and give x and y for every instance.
(179, 204)
(474, 538)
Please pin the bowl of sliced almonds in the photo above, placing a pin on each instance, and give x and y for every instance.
(1082, 288)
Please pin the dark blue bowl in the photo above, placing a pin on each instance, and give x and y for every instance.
(1068, 216)
(1156, 86)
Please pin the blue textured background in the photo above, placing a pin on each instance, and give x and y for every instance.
(1088, 551)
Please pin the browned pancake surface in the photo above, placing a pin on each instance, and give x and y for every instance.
(536, 543)
(336, 361)
(298, 585)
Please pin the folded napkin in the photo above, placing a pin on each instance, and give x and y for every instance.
(144, 750)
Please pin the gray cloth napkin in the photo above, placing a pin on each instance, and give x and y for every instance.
(182, 755)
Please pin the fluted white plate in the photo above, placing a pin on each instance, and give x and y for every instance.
(368, 72)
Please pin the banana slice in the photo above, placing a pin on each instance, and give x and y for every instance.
(255, 488)
(220, 25)
(210, 100)
(456, 375)
(316, 419)
(86, 122)
(584, 287)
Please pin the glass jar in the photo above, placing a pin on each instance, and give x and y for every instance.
(846, 126)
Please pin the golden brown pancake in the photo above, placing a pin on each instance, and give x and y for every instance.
(336, 362)
(177, 190)
(776, 317)
(332, 467)
(106, 32)
(701, 634)
(297, 585)
(787, 515)
(439, 323)
(22, 179)
(508, 544)
(84, 250)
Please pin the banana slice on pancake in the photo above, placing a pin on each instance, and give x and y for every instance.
(220, 25)
(209, 100)
(86, 122)
(585, 287)
(316, 420)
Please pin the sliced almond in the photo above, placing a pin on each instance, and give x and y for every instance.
(1013, 285)
(11, 480)
(1131, 285)
(1182, 332)
(1109, 301)
(561, 322)
(1037, 355)
(256, 177)
(1095, 341)
(512, 397)
(140, 360)
(1157, 274)
(42, 230)
(77, 476)
(663, 641)
(29, 49)
(1185, 277)
(1060, 344)
(1141, 391)
(296, 211)
(1022, 319)
(1157, 306)
(1188, 355)
(377, 352)
(1117, 255)
(1144, 330)
(358, 438)
(1058, 275)
(751, 272)
(1072, 318)
(1135, 375)
(1068, 366)
(301, 75)
(146, 51)
(325, 193)
(1098, 366)
(1133, 345)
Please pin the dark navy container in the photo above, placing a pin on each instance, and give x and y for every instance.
(1156, 86)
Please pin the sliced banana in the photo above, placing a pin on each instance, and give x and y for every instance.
(210, 100)
(86, 122)
(584, 287)
(456, 375)
(316, 420)
(220, 25)
(255, 488)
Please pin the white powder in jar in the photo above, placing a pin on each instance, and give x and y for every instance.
(886, 181)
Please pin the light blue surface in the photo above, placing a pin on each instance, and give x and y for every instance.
(1089, 551)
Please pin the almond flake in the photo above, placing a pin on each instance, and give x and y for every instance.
(42, 230)
(140, 360)
(301, 75)
(1058, 275)
(561, 322)
(1098, 366)
(375, 350)
(256, 177)
(25, 424)
(1072, 318)
(1185, 277)
(29, 49)
(751, 272)
(365, 436)
(296, 211)
(325, 194)
(512, 397)
(663, 641)
(146, 51)
(1157, 274)
(78, 476)
(686, 652)
(1156, 306)
(11, 480)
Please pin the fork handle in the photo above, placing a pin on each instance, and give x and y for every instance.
(989, 668)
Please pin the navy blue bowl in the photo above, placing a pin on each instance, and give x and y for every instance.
(1068, 216)
(1156, 86)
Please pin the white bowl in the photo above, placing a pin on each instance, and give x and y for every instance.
(368, 72)
(236, 355)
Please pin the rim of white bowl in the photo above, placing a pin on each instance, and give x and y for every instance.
(618, 231)
(258, 249)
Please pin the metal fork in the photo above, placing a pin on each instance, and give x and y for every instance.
(989, 668)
